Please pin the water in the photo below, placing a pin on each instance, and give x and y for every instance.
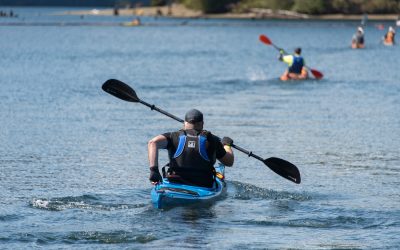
(73, 159)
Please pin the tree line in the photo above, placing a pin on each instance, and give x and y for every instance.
(314, 7)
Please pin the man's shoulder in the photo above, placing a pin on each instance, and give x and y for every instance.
(213, 138)
(172, 134)
(288, 58)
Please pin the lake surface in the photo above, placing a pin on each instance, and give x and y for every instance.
(73, 159)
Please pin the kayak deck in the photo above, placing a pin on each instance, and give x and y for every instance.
(167, 194)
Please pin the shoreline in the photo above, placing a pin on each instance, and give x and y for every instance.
(179, 11)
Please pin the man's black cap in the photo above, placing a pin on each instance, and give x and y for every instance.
(193, 116)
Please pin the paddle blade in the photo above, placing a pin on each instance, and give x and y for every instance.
(316, 74)
(265, 39)
(120, 90)
(283, 168)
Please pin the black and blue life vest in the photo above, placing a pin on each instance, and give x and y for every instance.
(297, 65)
(191, 153)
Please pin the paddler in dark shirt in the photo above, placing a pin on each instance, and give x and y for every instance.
(192, 153)
(357, 42)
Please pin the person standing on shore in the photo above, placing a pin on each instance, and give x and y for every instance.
(357, 42)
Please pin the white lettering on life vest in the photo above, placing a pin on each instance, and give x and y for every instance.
(191, 144)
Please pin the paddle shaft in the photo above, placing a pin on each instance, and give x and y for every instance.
(249, 153)
(276, 47)
(153, 107)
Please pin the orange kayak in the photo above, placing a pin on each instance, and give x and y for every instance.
(388, 43)
(357, 46)
(293, 76)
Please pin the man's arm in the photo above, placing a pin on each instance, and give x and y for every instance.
(288, 59)
(158, 142)
(228, 158)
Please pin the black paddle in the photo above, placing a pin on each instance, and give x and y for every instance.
(281, 167)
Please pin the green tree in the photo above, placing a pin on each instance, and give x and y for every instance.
(210, 6)
(381, 6)
(310, 6)
(158, 2)
(346, 6)
(266, 4)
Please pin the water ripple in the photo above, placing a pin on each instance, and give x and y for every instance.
(10, 217)
(113, 237)
(244, 191)
(82, 202)
(82, 237)
(330, 222)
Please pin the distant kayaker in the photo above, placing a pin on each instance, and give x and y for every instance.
(388, 39)
(296, 63)
(192, 153)
(357, 42)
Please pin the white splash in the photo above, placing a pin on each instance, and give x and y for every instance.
(40, 203)
(256, 74)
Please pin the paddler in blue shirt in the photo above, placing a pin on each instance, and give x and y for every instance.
(192, 153)
(296, 63)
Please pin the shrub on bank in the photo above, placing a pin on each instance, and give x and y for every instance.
(209, 6)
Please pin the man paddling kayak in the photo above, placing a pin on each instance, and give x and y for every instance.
(192, 153)
(357, 42)
(296, 63)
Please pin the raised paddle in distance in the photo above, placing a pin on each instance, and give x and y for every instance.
(125, 92)
(264, 39)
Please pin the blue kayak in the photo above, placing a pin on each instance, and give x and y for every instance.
(167, 194)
